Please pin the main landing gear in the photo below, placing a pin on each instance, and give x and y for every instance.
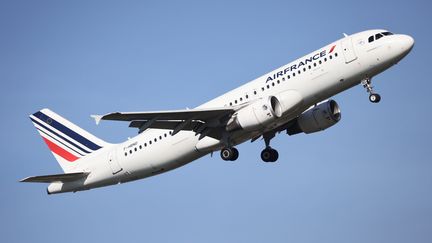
(269, 154)
(373, 97)
(229, 154)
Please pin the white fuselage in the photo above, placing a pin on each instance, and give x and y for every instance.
(316, 77)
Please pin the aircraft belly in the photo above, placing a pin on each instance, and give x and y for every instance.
(172, 153)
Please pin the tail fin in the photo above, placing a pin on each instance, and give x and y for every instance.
(67, 141)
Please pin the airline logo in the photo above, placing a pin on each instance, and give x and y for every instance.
(298, 65)
(60, 138)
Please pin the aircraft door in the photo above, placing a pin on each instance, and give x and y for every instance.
(348, 50)
(114, 163)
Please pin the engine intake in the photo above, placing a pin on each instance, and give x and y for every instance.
(317, 118)
(256, 115)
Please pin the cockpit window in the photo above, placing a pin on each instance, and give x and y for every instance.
(377, 36)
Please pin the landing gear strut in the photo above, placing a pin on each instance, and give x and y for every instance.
(269, 154)
(373, 97)
(229, 154)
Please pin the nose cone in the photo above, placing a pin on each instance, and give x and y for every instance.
(404, 43)
(401, 46)
(407, 43)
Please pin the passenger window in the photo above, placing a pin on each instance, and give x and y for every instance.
(272, 83)
(255, 92)
(289, 77)
(278, 81)
(125, 153)
(135, 149)
(241, 99)
(335, 54)
(371, 38)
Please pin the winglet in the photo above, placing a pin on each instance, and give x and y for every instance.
(97, 118)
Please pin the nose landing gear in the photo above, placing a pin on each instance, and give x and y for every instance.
(373, 97)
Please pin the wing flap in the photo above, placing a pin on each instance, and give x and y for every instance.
(56, 178)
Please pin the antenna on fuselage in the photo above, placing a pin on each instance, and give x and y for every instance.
(345, 35)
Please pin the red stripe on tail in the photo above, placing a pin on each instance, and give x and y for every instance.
(60, 151)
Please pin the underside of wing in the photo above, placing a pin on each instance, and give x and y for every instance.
(165, 124)
(206, 122)
(56, 178)
(192, 114)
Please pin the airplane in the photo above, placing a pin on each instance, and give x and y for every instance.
(294, 98)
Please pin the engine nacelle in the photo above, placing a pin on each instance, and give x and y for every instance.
(317, 118)
(256, 115)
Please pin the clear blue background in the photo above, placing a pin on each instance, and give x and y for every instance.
(368, 179)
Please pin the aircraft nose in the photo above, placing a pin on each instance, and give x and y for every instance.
(406, 43)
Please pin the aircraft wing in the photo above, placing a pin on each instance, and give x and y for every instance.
(56, 178)
(194, 114)
(208, 121)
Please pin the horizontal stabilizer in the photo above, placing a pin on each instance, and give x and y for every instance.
(56, 178)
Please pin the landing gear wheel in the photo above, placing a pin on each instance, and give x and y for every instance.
(229, 154)
(235, 155)
(269, 155)
(374, 98)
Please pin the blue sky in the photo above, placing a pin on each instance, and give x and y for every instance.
(367, 179)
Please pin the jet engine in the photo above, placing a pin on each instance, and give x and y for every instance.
(317, 118)
(256, 115)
